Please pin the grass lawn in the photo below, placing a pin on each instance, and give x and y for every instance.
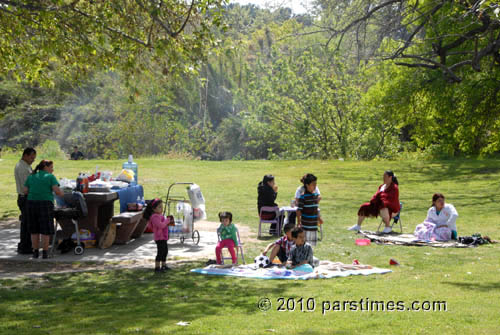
(137, 301)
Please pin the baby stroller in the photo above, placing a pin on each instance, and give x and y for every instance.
(76, 209)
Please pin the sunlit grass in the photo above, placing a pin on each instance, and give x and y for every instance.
(137, 301)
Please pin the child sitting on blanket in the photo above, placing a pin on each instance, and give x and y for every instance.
(302, 252)
(159, 224)
(228, 239)
(282, 246)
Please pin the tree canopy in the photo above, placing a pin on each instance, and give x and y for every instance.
(353, 79)
(78, 36)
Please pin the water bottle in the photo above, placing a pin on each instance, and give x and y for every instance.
(79, 183)
(130, 165)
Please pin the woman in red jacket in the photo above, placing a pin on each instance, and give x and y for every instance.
(384, 203)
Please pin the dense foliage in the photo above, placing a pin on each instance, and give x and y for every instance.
(352, 79)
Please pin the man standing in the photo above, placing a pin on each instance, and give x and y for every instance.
(21, 173)
(76, 155)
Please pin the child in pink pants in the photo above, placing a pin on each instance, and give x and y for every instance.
(228, 239)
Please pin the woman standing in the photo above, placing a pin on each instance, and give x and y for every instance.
(440, 223)
(384, 203)
(39, 187)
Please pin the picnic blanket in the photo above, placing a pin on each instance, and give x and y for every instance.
(326, 269)
(410, 239)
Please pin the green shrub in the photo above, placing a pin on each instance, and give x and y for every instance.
(50, 150)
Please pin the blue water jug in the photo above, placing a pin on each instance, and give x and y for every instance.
(130, 165)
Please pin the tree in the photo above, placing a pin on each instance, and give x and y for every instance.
(443, 35)
(77, 36)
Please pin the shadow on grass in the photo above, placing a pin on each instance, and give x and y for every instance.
(486, 287)
(268, 238)
(115, 301)
(437, 171)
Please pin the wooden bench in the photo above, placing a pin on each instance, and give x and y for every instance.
(126, 224)
(141, 227)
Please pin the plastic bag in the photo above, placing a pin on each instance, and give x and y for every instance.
(126, 175)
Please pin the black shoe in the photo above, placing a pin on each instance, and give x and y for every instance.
(45, 254)
(165, 268)
(210, 262)
(158, 270)
(36, 253)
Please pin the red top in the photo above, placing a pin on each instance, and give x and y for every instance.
(389, 197)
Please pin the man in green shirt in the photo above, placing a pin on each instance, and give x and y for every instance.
(21, 173)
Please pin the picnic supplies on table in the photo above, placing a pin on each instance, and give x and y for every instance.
(126, 176)
(130, 165)
(325, 270)
(82, 183)
(184, 217)
(410, 240)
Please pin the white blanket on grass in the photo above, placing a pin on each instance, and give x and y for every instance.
(326, 269)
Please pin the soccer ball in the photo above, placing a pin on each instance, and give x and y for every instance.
(262, 261)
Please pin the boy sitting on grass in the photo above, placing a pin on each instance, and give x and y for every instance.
(302, 253)
(282, 246)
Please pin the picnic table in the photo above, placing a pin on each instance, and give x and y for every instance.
(287, 210)
(100, 207)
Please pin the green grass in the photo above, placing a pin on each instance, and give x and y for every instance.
(136, 301)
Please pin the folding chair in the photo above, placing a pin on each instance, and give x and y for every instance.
(239, 249)
(267, 210)
(396, 218)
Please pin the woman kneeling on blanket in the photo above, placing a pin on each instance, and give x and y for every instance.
(440, 222)
(384, 203)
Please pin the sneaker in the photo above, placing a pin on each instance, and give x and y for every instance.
(165, 268)
(387, 230)
(45, 254)
(356, 227)
(36, 253)
(158, 270)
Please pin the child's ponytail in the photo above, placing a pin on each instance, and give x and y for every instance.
(148, 212)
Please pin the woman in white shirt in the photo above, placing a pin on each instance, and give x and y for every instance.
(440, 223)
